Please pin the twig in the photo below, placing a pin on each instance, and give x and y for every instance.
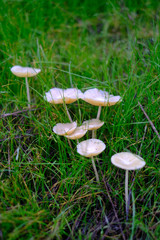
(145, 129)
(9, 159)
(151, 123)
(18, 112)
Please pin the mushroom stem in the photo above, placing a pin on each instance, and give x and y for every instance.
(68, 114)
(28, 94)
(95, 169)
(93, 133)
(99, 112)
(126, 189)
(98, 116)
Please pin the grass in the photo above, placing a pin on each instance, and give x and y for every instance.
(46, 191)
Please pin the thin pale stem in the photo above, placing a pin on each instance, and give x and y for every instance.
(93, 134)
(28, 94)
(126, 189)
(98, 116)
(68, 114)
(99, 112)
(95, 169)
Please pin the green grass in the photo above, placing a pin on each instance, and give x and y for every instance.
(47, 192)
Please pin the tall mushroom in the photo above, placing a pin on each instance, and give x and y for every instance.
(25, 72)
(127, 161)
(90, 148)
(100, 98)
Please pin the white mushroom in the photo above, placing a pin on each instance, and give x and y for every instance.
(63, 129)
(54, 95)
(92, 124)
(20, 71)
(78, 133)
(100, 98)
(25, 72)
(90, 148)
(127, 161)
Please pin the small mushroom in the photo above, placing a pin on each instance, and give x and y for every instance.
(63, 129)
(127, 161)
(93, 124)
(100, 98)
(25, 72)
(20, 71)
(89, 148)
(79, 132)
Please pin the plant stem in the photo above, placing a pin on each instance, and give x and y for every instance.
(95, 169)
(28, 94)
(126, 188)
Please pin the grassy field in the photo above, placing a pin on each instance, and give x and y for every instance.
(47, 190)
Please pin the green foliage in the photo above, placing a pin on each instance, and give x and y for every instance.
(48, 191)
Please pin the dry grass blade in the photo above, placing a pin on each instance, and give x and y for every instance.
(151, 123)
(18, 112)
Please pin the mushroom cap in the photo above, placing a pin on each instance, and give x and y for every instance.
(78, 133)
(92, 124)
(20, 71)
(100, 98)
(127, 161)
(91, 147)
(64, 128)
(72, 94)
(54, 95)
(59, 96)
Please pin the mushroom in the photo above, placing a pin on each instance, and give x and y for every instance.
(100, 98)
(63, 129)
(127, 161)
(61, 96)
(93, 124)
(25, 72)
(90, 148)
(78, 133)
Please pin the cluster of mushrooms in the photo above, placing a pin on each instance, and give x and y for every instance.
(91, 147)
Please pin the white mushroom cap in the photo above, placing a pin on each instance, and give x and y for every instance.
(64, 128)
(54, 95)
(20, 71)
(58, 95)
(100, 98)
(91, 147)
(92, 124)
(78, 133)
(127, 161)
(72, 94)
